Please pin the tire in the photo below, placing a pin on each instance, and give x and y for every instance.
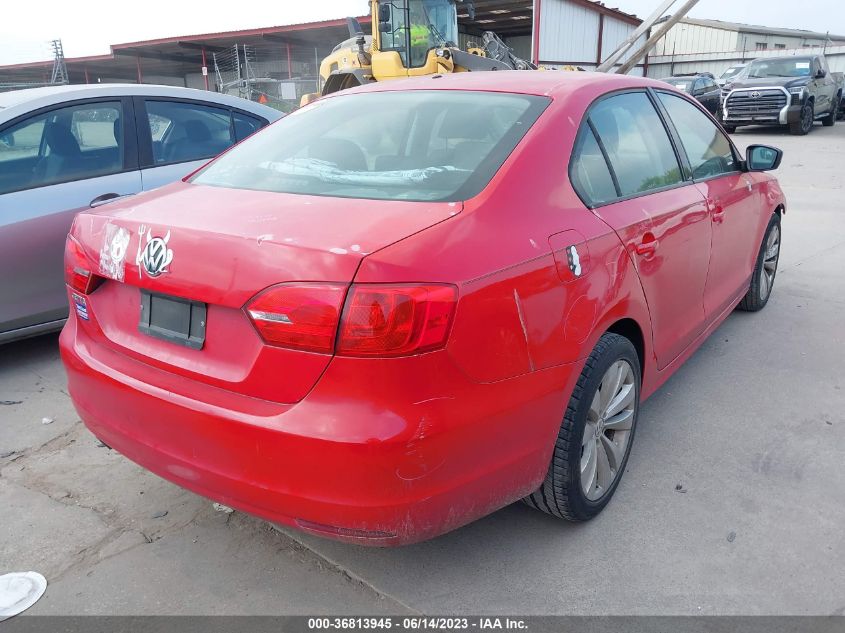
(730, 129)
(562, 494)
(805, 123)
(767, 266)
(830, 119)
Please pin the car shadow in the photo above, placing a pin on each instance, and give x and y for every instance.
(36, 350)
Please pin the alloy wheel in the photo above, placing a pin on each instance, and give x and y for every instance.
(607, 432)
(770, 263)
(807, 118)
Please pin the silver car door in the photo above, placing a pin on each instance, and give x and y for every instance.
(55, 162)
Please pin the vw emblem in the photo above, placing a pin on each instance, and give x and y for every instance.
(156, 257)
(755, 95)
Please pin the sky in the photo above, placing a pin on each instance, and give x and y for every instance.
(27, 28)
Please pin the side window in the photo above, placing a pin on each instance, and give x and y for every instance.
(637, 145)
(589, 173)
(394, 38)
(707, 148)
(697, 86)
(421, 32)
(22, 141)
(245, 125)
(187, 131)
(709, 85)
(72, 143)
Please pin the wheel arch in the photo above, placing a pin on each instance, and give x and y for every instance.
(342, 80)
(632, 331)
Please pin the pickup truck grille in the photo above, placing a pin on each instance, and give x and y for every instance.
(742, 104)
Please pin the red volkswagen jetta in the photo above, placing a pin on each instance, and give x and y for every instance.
(408, 305)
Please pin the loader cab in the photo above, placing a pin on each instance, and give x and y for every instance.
(412, 29)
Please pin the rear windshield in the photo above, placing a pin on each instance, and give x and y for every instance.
(418, 145)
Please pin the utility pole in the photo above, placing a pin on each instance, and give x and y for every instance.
(59, 74)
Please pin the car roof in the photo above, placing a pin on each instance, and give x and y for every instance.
(18, 102)
(551, 83)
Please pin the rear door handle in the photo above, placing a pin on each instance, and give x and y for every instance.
(719, 214)
(648, 246)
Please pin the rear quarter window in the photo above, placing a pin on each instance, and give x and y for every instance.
(638, 148)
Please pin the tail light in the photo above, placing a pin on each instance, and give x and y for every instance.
(299, 316)
(376, 319)
(382, 320)
(78, 274)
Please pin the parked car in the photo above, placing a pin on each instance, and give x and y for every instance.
(385, 316)
(701, 87)
(68, 148)
(792, 91)
(731, 74)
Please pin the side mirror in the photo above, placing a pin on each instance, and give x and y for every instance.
(762, 158)
(820, 73)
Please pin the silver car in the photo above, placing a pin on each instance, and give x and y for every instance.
(68, 148)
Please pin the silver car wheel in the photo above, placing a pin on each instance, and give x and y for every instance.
(770, 263)
(607, 432)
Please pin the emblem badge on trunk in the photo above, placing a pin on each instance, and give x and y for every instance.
(156, 256)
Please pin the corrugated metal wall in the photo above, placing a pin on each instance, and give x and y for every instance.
(684, 38)
(568, 33)
(615, 32)
(749, 41)
(521, 45)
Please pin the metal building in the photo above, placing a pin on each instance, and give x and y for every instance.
(694, 46)
(692, 36)
(579, 33)
(280, 62)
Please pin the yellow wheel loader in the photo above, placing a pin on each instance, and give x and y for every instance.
(410, 38)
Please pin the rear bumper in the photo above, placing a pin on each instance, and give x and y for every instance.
(379, 453)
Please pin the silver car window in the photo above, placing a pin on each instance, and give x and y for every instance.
(62, 145)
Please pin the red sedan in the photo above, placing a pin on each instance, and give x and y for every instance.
(408, 305)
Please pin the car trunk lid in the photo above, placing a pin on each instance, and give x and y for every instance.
(217, 248)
